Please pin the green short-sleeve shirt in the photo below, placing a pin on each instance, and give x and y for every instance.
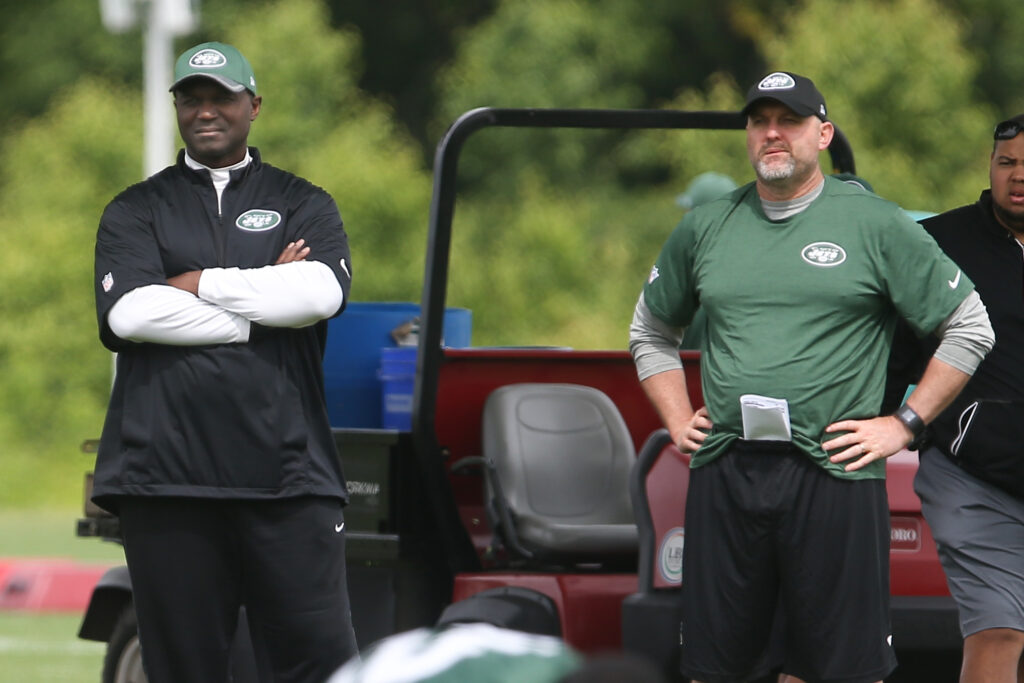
(801, 309)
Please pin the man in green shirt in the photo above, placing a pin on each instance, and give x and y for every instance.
(802, 278)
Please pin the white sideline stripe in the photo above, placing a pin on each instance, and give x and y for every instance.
(75, 647)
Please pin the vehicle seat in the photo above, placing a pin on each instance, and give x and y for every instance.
(557, 462)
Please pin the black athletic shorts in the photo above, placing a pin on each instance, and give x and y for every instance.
(768, 531)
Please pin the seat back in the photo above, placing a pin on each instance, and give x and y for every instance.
(658, 487)
(651, 617)
(558, 458)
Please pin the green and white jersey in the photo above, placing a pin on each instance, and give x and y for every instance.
(801, 309)
(461, 653)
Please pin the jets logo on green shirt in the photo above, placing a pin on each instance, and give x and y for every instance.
(825, 254)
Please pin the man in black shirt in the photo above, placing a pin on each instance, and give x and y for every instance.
(214, 280)
(971, 476)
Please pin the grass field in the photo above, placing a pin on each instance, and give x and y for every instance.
(44, 648)
(41, 647)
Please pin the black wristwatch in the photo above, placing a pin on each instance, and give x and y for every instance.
(912, 421)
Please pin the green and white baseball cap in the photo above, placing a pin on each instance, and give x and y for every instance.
(704, 188)
(218, 61)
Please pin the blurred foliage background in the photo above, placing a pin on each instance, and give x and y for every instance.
(554, 231)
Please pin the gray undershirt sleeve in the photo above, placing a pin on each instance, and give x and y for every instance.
(653, 344)
(966, 335)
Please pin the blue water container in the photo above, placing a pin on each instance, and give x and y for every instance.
(353, 356)
(397, 379)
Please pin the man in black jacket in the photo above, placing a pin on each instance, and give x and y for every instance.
(214, 280)
(971, 477)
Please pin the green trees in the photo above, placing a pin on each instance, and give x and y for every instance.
(57, 174)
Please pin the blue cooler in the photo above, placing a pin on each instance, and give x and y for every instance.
(356, 340)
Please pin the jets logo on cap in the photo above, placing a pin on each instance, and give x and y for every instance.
(824, 254)
(207, 59)
(258, 220)
(776, 81)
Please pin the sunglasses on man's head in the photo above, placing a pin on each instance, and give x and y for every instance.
(1008, 130)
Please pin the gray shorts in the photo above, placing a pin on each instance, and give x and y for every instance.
(979, 531)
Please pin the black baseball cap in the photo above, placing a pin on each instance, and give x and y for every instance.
(796, 92)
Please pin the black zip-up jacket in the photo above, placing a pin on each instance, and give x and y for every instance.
(986, 439)
(239, 421)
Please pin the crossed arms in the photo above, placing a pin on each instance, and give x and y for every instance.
(219, 305)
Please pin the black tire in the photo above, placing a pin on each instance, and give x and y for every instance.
(123, 660)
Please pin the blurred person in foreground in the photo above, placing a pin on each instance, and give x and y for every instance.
(214, 280)
(971, 474)
(483, 653)
(802, 278)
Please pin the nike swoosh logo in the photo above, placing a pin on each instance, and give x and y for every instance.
(955, 281)
(339, 527)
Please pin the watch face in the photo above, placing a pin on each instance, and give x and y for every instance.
(912, 420)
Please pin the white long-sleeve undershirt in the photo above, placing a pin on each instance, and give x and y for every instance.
(296, 294)
(220, 177)
(166, 315)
